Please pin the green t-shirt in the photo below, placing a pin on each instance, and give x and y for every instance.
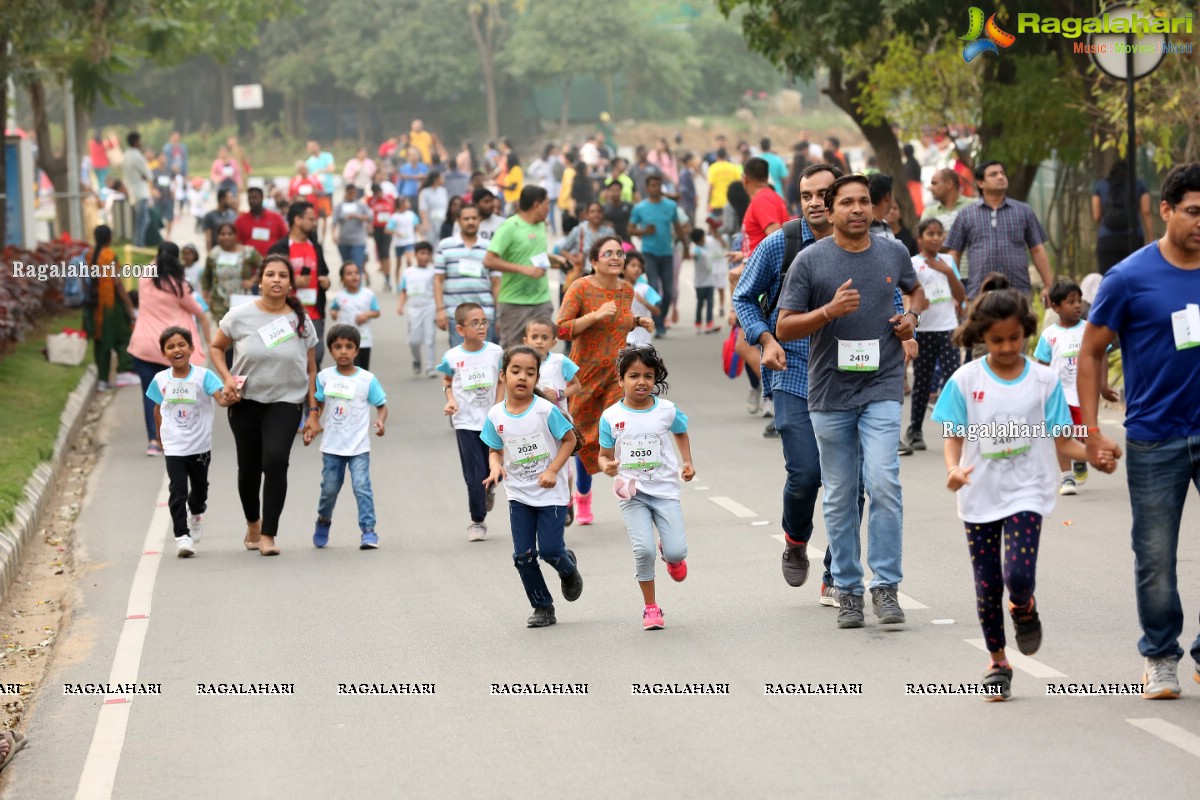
(518, 242)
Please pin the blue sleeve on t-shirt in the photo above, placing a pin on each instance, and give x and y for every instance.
(374, 303)
(951, 405)
(1057, 412)
(153, 392)
(570, 369)
(334, 305)
(653, 298)
(320, 395)
(1043, 352)
(375, 395)
(606, 437)
(445, 367)
(212, 384)
(680, 423)
(559, 426)
(490, 436)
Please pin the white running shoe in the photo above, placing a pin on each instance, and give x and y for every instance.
(1160, 679)
(184, 547)
(195, 526)
(754, 402)
(476, 532)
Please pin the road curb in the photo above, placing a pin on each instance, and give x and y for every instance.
(28, 513)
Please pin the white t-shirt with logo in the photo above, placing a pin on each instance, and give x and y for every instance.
(644, 296)
(1010, 474)
(643, 443)
(473, 382)
(186, 405)
(556, 372)
(1059, 347)
(417, 283)
(530, 441)
(940, 316)
(403, 228)
(346, 417)
(349, 306)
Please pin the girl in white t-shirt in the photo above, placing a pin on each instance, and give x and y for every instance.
(531, 441)
(636, 449)
(1004, 418)
(944, 293)
(402, 225)
(646, 298)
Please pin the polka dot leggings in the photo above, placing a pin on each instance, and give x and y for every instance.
(935, 351)
(1020, 532)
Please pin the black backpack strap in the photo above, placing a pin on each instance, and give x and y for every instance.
(793, 235)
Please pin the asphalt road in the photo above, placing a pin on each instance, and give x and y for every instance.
(430, 608)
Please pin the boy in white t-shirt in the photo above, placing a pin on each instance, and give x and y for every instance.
(345, 393)
(1059, 349)
(416, 295)
(402, 225)
(472, 381)
(356, 305)
(646, 298)
(183, 397)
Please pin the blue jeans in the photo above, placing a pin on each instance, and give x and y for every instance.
(456, 340)
(333, 473)
(660, 273)
(1158, 475)
(875, 429)
(353, 252)
(141, 217)
(537, 531)
(643, 513)
(146, 370)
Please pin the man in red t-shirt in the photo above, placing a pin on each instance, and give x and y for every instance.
(767, 211)
(300, 247)
(258, 227)
(382, 207)
(303, 187)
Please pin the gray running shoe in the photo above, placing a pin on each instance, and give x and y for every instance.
(999, 680)
(1028, 627)
(917, 440)
(490, 500)
(795, 563)
(850, 611)
(887, 606)
(1160, 680)
(829, 596)
(541, 618)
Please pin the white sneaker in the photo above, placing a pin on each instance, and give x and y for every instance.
(195, 526)
(754, 401)
(184, 547)
(128, 379)
(1067, 487)
(768, 407)
(476, 532)
(1160, 680)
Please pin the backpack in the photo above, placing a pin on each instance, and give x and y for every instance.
(793, 233)
(1116, 208)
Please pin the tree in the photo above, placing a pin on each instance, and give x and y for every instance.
(488, 28)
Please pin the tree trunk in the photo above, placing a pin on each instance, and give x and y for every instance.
(52, 163)
(610, 94)
(483, 29)
(881, 138)
(564, 115)
(227, 117)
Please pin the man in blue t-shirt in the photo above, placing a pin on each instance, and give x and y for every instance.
(1152, 301)
(653, 219)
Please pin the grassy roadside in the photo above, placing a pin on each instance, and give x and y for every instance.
(33, 392)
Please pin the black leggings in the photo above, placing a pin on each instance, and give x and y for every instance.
(1015, 569)
(264, 433)
(704, 301)
(933, 348)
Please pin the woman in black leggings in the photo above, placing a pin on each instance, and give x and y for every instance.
(274, 352)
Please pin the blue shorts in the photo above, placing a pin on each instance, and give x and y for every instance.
(401, 249)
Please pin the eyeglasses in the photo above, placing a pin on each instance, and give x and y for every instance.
(476, 323)
(613, 254)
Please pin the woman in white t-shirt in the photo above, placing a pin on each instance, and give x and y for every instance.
(944, 295)
(432, 202)
(272, 381)
(1003, 419)
(531, 441)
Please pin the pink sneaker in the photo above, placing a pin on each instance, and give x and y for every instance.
(583, 509)
(677, 571)
(652, 618)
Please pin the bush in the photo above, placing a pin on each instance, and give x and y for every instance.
(25, 300)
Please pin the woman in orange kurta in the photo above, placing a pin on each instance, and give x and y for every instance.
(595, 316)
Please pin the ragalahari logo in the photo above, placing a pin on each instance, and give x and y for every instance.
(995, 38)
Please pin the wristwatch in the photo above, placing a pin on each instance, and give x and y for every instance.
(916, 316)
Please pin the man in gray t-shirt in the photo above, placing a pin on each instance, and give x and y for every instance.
(840, 292)
(350, 220)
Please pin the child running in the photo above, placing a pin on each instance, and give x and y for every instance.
(359, 305)
(936, 353)
(402, 226)
(344, 391)
(185, 431)
(531, 441)
(646, 298)
(705, 282)
(416, 295)
(635, 448)
(1005, 478)
(471, 379)
(557, 379)
(1059, 349)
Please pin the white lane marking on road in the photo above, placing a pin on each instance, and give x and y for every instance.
(1171, 734)
(816, 554)
(734, 507)
(759, 523)
(1024, 663)
(104, 755)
